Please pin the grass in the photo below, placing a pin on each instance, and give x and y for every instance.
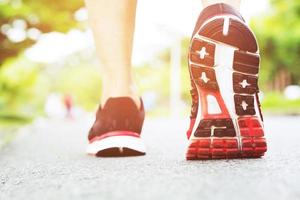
(13, 120)
(276, 103)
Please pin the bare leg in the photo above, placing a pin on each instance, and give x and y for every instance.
(112, 22)
(234, 3)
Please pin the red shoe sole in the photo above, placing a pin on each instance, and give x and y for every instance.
(236, 131)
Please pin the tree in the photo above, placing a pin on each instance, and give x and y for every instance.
(278, 32)
(20, 17)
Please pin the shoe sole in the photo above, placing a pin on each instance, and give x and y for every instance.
(117, 144)
(224, 65)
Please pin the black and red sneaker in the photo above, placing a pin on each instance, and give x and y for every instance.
(117, 128)
(226, 120)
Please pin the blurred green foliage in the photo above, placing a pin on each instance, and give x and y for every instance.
(81, 80)
(43, 15)
(278, 33)
(23, 84)
(276, 103)
(18, 86)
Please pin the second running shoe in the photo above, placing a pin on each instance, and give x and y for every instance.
(117, 129)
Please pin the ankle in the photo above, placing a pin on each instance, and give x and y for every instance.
(119, 85)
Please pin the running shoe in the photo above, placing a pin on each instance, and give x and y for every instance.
(226, 120)
(117, 129)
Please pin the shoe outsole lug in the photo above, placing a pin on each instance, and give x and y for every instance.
(214, 149)
(246, 100)
(210, 83)
(244, 84)
(208, 50)
(246, 62)
(215, 127)
(236, 29)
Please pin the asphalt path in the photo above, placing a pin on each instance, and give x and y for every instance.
(47, 161)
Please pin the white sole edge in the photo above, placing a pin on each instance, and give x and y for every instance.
(130, 142)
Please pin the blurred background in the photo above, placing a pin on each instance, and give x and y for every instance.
(48, 65)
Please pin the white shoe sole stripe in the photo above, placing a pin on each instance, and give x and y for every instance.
(129, 142)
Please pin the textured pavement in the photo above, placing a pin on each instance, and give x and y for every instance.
(47, 161)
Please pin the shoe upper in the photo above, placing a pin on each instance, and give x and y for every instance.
(118, 114)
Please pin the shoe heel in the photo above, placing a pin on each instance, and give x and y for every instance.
(227, 29)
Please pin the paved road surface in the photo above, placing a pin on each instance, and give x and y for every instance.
(47, 161)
